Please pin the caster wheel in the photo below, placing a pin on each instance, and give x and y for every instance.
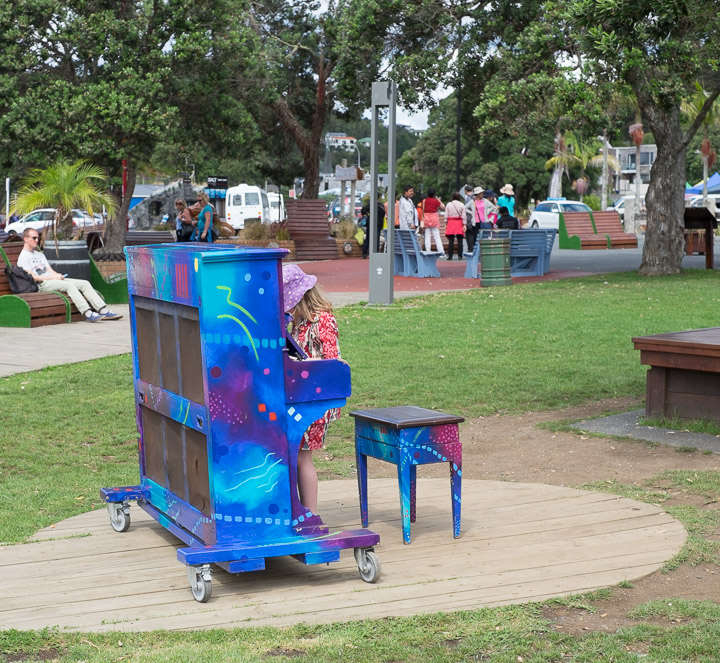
(368, 565)
(200, 583)
(119, 517)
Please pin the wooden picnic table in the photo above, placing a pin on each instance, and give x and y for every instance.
(684, 379)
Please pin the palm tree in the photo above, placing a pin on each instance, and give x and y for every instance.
(573, 152)
(691, 108)
(64, 186)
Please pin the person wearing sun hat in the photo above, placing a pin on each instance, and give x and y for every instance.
(315, 329)
(507, 199)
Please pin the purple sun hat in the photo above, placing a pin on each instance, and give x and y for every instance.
(295, 284)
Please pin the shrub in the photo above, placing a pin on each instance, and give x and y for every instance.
(344, 229)
(592, 201)
(279, 231)
(255, 232)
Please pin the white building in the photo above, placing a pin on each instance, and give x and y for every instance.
(341, 141)
(624, 181)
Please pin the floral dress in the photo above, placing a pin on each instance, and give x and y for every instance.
(319, 339)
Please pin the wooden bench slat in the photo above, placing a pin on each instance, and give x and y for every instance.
(578, 232)
(608, 223)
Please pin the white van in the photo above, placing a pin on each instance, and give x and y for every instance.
(244, 204)
(277, 207)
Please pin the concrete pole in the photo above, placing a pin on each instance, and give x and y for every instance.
(384, 95)
(603, 204)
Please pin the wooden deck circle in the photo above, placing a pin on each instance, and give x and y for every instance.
(520, 542)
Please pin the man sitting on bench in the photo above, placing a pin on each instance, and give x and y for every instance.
(83, 295)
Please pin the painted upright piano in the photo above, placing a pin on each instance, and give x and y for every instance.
(221, 406)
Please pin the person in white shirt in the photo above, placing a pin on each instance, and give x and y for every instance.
(408, 216)
(83, 295)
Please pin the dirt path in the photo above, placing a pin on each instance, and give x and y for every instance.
(513, 448)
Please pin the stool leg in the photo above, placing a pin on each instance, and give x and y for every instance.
(404, 483)
(455, 490)
(413, 486)
(361, 461)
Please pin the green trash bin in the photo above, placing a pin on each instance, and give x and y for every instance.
(495, 262)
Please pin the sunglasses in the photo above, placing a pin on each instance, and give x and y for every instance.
(35, 237)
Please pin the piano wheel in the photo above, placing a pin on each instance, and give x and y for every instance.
(200, 582)
(368, 564)
(119, 516)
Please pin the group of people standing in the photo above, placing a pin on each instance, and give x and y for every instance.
(465, 217)
(194, 228)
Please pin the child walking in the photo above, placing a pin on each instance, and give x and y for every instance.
(316, 332)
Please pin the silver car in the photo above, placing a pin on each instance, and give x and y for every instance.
(547, 213)
(40, 219)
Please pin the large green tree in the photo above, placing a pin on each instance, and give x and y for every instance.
(658, 48)
(108, 81)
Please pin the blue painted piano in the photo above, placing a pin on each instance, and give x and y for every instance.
(221, 406)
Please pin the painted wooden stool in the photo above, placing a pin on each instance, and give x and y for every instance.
(408, 436)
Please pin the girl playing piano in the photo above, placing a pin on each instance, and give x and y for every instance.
(314, 328)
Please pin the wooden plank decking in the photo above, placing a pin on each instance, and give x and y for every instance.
(519, 543)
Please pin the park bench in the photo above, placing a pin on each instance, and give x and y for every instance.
(549, 243)
(416, 262)
(608, 224)
(95, 238)
(143, 237)
(309, 229)
(113, 288)
(31, 309)
(528, 250)
(576, 231)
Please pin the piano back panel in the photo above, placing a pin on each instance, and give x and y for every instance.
(221, 308)
(170, 450)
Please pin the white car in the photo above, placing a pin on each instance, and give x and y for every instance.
(40, 219)
(547, 213)
(619, 206)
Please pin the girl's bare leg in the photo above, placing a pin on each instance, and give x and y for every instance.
(307, 480)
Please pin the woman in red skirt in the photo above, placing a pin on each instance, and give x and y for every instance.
(455, 224)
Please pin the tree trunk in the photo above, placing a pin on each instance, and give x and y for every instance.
(664, 237)
(311, 164)
(117, 225)
(65, 228)
(555, 190)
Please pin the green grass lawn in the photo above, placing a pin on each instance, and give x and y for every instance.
(69, 430)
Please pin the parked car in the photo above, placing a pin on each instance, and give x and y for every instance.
(619, 206)
(40, 219)
(334, 207)
(546, 214)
